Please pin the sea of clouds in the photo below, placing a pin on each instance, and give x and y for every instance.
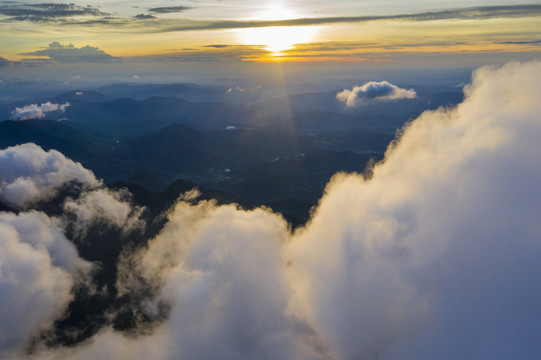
(436, 256)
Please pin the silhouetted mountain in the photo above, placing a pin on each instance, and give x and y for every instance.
(296, 212)
(298, 103)
(177, 150)
(160, 201)
(174, 149)
(324, 122)
(124, 118)
(86, 96)
(360, 141)
(207, 108)
(255, 155)
(191, 92)
(169, 138)
(145, 180)
(259, 166)
(302, 177)
(94, 153)
(20, 132)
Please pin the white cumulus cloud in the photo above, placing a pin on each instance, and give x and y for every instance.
(35, 111)
(374, 90)
(29, 174)
(105, 207)
(38, 267)
(222, 270)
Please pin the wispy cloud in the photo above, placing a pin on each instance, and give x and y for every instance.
(522, 42)
(481, 12)
(210, 53)
(67, 14)
(47, 12)
(217, 46)
(144, 17)
(169, 9)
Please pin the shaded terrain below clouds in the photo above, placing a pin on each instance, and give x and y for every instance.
(436, 255)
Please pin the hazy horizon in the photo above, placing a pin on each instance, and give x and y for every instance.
(205, 41)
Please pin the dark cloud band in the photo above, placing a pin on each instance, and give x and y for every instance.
(482, 12)
(61, 12)
(46, 12)
(169, 9)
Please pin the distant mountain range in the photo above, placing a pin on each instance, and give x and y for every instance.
(278, 153)
(119, 113)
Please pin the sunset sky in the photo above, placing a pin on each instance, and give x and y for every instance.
(266, 179)
(141, 35)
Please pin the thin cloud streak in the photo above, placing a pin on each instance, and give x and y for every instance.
(66, 17)
(482, 12)
(169, 9)
(47, 12)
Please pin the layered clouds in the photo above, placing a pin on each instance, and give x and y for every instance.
(436, 256)
(35, 111)
(374, 90)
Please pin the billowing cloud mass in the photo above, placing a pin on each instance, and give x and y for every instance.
(104, 206)
(436, 256)
(35, 111)
(222, 270)
(374, 90)
(72, 54)
(29, 174)
(38, 267)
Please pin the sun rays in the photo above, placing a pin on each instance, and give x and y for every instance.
(278, 38)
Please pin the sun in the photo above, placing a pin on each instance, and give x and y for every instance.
(277, 38)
